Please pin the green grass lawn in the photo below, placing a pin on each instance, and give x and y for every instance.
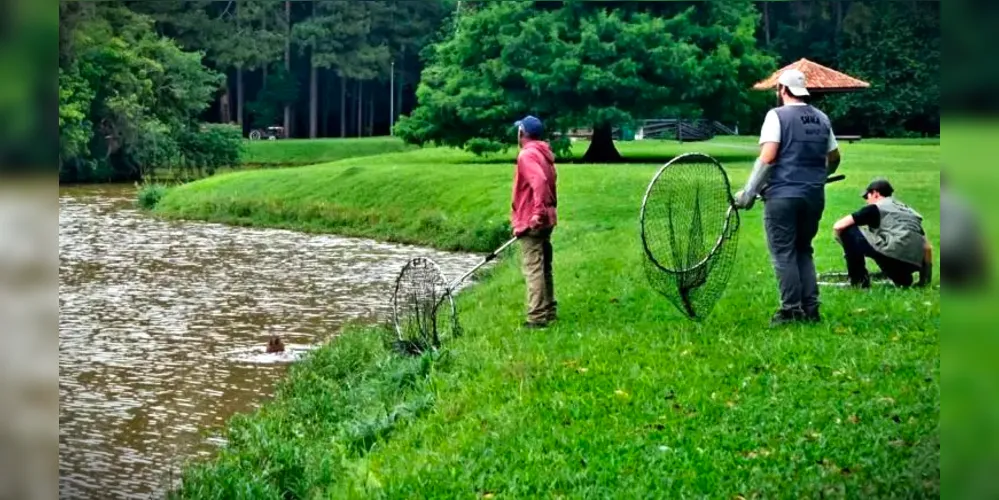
(622, 397)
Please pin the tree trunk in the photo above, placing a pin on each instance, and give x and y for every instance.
(360, 107)
(224, 114)
(287, 64)
(401, 83)
(313, 99)
(324, 117)
(801, 15)
(239, 75)
(602, 148)
(766, 22)
(239, 97)
(837, 33)
(263, 67)
(343, 107)
(313, 90)
(371, 116)
(839, 17)
(391, 100)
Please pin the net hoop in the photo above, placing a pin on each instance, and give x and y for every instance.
(424, 262)
(728, 215)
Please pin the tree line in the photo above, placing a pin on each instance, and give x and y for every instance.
(180, 83)
(281, 55)
(600, 65)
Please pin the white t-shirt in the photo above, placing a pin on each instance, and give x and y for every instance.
(771, 129)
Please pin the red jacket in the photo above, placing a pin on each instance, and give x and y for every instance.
(534, 188)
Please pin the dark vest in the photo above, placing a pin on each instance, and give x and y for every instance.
(899, 235)
(800, 171)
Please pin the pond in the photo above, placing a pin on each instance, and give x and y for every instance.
(160, 322)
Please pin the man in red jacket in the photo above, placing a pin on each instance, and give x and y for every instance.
(533, 217)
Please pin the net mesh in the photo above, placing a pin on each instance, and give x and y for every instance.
(690, 233)
(423, 308)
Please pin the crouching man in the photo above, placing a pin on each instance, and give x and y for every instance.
(888, 232)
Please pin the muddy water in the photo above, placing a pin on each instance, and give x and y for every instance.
(159, 320)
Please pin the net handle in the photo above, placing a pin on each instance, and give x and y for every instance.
(829, 180)
(488, 258)
(449, 288)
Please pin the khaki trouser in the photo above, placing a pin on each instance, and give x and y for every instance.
(536, 248)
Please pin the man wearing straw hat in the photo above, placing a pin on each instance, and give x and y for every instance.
(798, 151)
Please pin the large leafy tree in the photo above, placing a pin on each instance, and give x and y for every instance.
(237, 35)
(584, 64)
(129, 98)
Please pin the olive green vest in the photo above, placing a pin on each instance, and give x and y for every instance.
(899, 235)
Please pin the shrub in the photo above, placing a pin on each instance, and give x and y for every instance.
(212, 146)
(150, 194)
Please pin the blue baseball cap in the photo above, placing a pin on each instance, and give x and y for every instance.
(531, 125)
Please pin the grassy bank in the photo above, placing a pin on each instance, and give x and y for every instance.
(287, 152)
(622, 397)
(295, 153)
(407, 197)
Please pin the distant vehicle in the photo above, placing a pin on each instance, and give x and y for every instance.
(271, 133)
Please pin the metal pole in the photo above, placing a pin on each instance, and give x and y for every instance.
(392, 101)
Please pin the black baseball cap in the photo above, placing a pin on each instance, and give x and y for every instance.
(881, 186)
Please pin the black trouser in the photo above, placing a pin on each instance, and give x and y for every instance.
(856, 249)
(791, 224)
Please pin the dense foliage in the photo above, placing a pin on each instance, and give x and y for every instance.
(129, 101)
(895, 46)
(603, 64)
(136, 79)
(27, 32)
(343, 68)
(582, 64)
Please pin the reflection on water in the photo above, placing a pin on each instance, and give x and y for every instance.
(162, 325)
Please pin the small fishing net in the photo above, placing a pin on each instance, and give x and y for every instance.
(423, 310)
(689, 230)
(843, 279)
(422, 307)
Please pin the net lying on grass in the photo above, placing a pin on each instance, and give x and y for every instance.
(422, 307)
(689, 230)
(843, 279)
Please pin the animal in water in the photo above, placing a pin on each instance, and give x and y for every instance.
(275, 345)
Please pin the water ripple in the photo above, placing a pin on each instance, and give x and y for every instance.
(162, 323)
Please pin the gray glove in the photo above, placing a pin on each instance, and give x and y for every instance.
(743, 201)
(746, 197)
